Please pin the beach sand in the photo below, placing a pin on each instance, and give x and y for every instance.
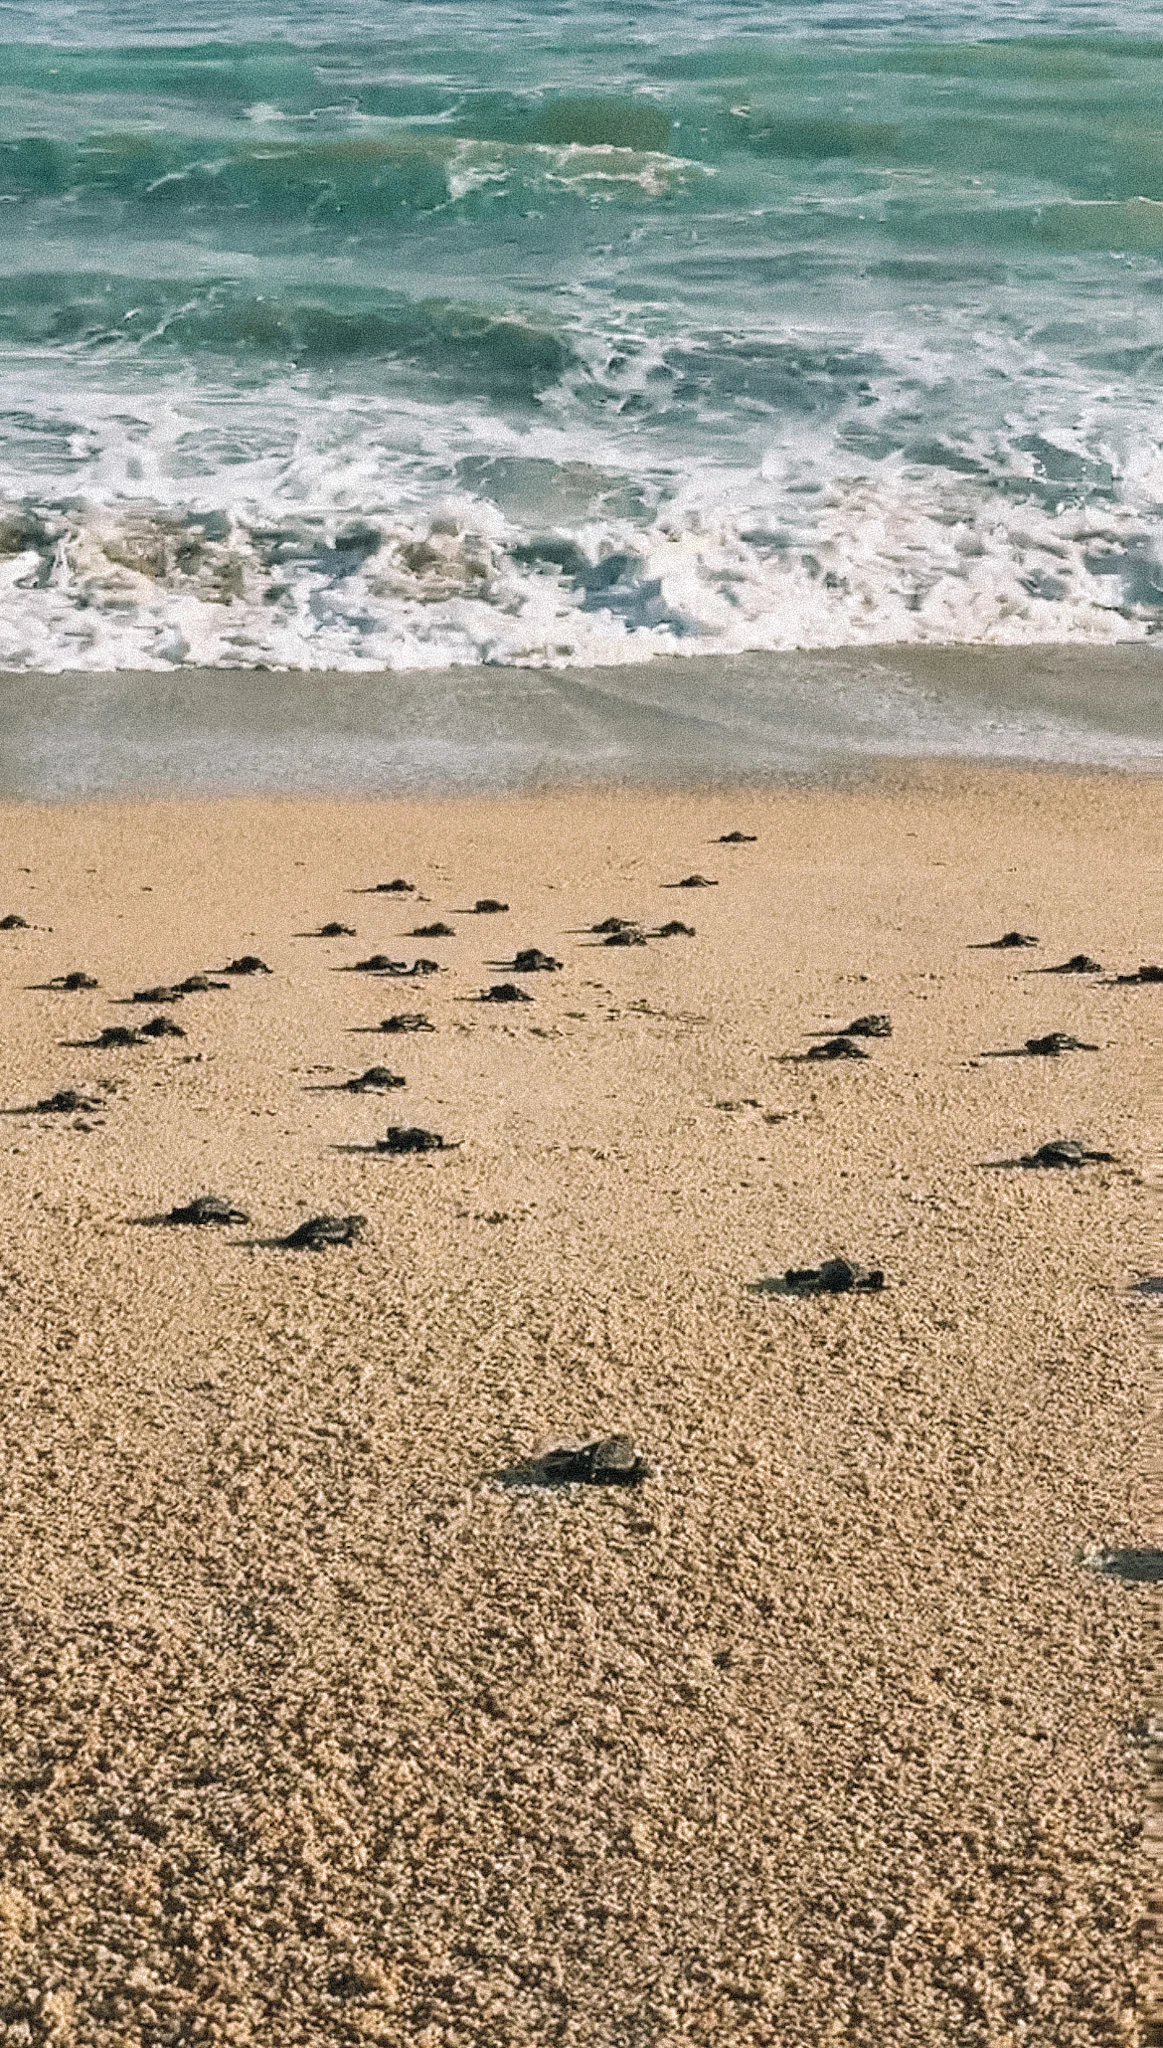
(317, 1731)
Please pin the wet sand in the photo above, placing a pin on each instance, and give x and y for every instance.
(318, 1730)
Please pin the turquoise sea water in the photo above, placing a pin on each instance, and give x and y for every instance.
(355, 337)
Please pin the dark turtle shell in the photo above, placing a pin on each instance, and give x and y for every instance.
(1058, 1041)
(198, 984)
(410, 1138)
(628, 937)
(1063, 1152)
(737, 838)
(837, 1049)
(319, 1231)
(66, 1101)
(163, 993)
(117, 1034)
(248, 963)
(1078, 963)
(379, 963)
(614, 925)
(335, 931)
(208, 1209)
(876, 1025)
(76, 979)
(407, 1021)
(696, 882)
(676, 929)
(1145, 974)
(433, 931)
(1011, 939)
(397, 888)
(531, 960)
(834, 1276)
(374, 1077)
(162, 1027)
(606, 1461)
(12, 923)
(505, 992)
(487, 906)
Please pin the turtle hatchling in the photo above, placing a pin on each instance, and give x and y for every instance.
(335, 930)
(613, 925)
(379, 963)
(74, 980)
(374, 1077)
(531, 960)
(487, 906)
(876, 1025)
(433, 931)
(1062, 1152)
(737, 838)
(1058, 1041)
(1078, 963)
(696, 882)
(505, 992)
(12, 923)
(319, 1231)
(207, 1209)
(248, 963)
(410, 1138)
(163, 993)
(66, 1101)
(407, 1021)
(606, 1461)
(1009, 940)
(628, 936)
(397, 888)
(117, 1034)
(1145, 974)
(676, 929)
(836, 1049)
(198, 984)
(834, 1276)
(162, 1027)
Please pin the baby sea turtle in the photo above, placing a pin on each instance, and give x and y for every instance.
(74, 980)
(12, 923)
(433, 931)
(1145, 974)
(379, 963)
(505, 992)
(1009, 940)
(410, 1138)
(207, 1209)
(1058, 1041)
(163, 993)
(1078, 963)
(1062, 1152)
(425, 967)
(737, 838)
(834, 1276)
(198, 984)
(248, 963)
(116, 1034)
(614, 924)
(319, 1231)
(628, 936)
(162, 1027)
(487, 906)
(606, 1461)
(676, 929)
(397, 888)
(66, 1101)
(696, 882)
(374, 1077)
(407, 1021)
(836, 1049)
(876, 1025)
(334, 930)
(531, 960)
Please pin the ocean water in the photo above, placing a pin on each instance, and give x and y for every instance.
(421, 335)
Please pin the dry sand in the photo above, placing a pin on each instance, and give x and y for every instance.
(317, 1732)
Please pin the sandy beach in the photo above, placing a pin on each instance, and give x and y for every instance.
(318, 1729)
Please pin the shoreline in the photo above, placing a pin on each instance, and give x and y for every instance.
(836, 1710)
(676, 723)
